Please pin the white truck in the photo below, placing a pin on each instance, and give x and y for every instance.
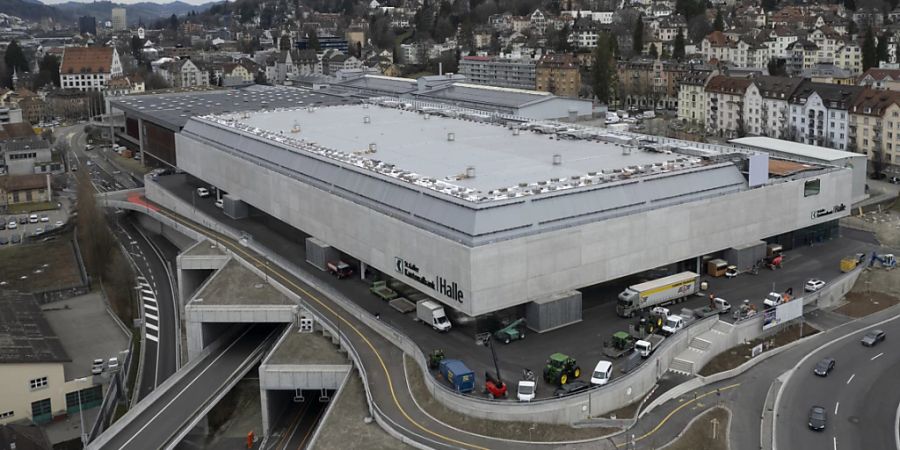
(661, 291)
(431, 313)
(647, 345)
(674, 323)
(773, 299)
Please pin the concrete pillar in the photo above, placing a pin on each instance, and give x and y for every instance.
(362, 270)
(194, 338)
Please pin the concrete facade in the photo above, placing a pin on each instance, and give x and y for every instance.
(511, 272)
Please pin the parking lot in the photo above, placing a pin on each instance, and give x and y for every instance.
(582, 340)
(15, 234)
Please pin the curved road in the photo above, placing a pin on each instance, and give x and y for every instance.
(860, 396)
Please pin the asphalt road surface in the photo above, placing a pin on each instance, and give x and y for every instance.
(860, 396)
(159, 421)
(297, 424)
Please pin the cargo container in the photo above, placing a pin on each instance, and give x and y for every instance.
(458, 375)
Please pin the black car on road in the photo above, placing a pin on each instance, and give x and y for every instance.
(824, 366)
(817, 418)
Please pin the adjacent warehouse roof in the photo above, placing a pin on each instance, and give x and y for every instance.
(173, 110)
(794, 148)
(25, 335)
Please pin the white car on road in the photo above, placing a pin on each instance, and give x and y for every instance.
(813, 285)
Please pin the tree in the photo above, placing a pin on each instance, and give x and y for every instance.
(777, 67)
(155, 81)
(690, 8)
(313, 40)
(14, 58)
(869, 51)
(654, 53)
(769, 5)
(698, 28)
(173, 22)
(136, 46)
(850, 5)
(48, 72)
(637, 38)
(719, 23)
(678, 51)
(881, 49)
(603, 70)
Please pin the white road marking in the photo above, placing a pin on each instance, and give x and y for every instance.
(851, 378)
(152, 308)
(152, 337)
(836, 406)
(876, 356)
(151, 326)
(835, 442)
(151, 317)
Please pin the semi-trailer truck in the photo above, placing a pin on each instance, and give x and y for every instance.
(657, 292)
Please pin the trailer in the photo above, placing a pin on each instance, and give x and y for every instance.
(381, 290)
(717, 306)
(661, 291)
(621, 344)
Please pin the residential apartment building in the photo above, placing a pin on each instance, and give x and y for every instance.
(766, 105)
(185, 73)
(819, 114)
(875, 129)
(88, 68)
(650, 83)
(692, 101)
(34, 384)
(558, 73)
(518, 73)
(883, 79)
(725, 110)
(717, 46)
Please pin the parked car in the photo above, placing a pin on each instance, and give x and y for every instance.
(2, 225)
(38, 230)
(202, 192)
(526, 390)
(23, 220)
(817, 418)
(873, 337)
(13, 225)
(220, 203)
(813, 285)
(33, 218)
(15, 239)
(97, 367)
(4, 240)
(58, 224)
(113, 364)
(571, 388)
(44, 218)
(602, 373)
(824, 366)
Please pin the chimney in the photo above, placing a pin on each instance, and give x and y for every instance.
(557, 159)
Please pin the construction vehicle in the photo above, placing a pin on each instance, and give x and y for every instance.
(432, 314)
(886, 260)
(746, 311)
(774, 262)
(382, 291)
(848, 264)
(716, 306)
(339, 269)
(512, 332)
(621, 344)
(657, 292)
(494, 386)
(435, 358)
(561, 369)
(648, 345)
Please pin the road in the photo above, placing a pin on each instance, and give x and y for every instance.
(860, 395)
(151, 257)
(158, 422)
(297, 424)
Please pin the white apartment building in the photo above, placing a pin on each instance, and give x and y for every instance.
(766, 105)
(692, 99)
(725, 111)
(819, 114)
(88, 68)
(517, 73)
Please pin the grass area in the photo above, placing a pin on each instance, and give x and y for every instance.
(40, 267)
(538, 432)
(628, 411)
(735, 356)
(699, 435)
(861, 304)
(26, 208)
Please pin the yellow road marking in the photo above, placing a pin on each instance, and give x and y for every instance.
(278, 273)
(675, 411)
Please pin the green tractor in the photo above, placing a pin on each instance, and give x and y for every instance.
(560, 369)
(512, 332)
(435, 358)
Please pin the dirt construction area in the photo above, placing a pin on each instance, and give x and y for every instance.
(876, 289)
(709, 431)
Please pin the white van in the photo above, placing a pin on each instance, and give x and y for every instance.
(602, 373)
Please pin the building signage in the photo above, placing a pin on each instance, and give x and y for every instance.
(439, 284)
(822, 212)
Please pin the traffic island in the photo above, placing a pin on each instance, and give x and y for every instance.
(708, 431)
(520, 431)
(740, 354)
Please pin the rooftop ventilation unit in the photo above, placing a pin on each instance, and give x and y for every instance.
(470, 172)
(451, 137)
(626, 150)
(557, 159)
(367, 119)
(516, 131)
(373, 147)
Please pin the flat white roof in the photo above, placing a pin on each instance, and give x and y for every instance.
(794, 148)
(419, 144)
